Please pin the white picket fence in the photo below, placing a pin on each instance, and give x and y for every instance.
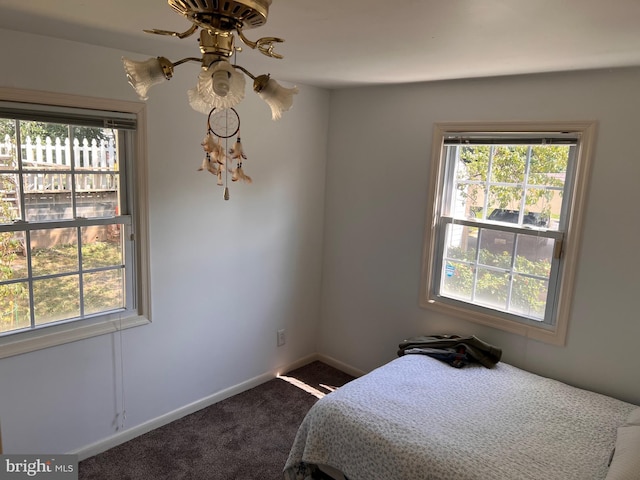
(52, 160)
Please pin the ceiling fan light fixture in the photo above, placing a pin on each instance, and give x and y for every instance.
(220, 84)
(279, 98)
(143, 75)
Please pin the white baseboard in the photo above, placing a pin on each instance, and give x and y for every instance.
(133, 432)
(340, 365)
(298, 363)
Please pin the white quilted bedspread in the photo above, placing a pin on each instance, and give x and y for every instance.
(418, 418)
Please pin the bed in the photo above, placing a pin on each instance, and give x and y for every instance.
(419, 418)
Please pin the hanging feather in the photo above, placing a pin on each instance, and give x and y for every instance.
(205, 164)
(209, 144)
(214, 148)
(238, 174)
(208, 165)
(218, 154)
(236, 152)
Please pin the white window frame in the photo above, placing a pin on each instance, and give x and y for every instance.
(138, 312)
(554, 331)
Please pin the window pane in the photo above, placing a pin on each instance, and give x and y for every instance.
(94, 149)
(501, 199)
(13, 263)
(528, 297)
(544, 204)
(97, 179)
(508, 164)
(468, 202)
(8, 159)
(457, 277)
(496, 244)
(47, 182)
(534, 254)
(46, 197)
(54, 251)
(44, 146)
(471, 176)
(548, 172)
(549, 164)
(492, 289)
(472, 162)
(102, 246)
(496, 247)
(457, 280)
(103, 291)
(97, 204)
(56, 299)
(461, 242)
(9, 198)
(14, 307)
(96, 182)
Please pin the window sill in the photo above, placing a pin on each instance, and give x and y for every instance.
(551, 335)
(60, 334)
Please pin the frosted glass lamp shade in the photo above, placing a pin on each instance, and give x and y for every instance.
(279, 98)
(220, 86)
(197, 102)
(143, 75)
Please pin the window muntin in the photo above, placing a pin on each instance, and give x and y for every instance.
(63, 218)
(503, 222)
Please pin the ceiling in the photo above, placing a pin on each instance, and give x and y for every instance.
(335, 43)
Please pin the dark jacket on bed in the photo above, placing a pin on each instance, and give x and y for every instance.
(453, 349)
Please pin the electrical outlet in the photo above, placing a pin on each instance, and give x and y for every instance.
(282, 337)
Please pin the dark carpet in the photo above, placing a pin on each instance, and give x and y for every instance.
(245, 437)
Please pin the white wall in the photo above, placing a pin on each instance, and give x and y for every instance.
(379, 158)
(224, 275)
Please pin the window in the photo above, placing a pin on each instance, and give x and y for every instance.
(503, 223)
(72, 222)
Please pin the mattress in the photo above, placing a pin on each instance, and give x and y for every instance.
(419, 418)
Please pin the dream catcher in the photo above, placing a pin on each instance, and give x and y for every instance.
(221, 160)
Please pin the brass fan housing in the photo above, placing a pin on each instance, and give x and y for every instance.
(224, 15)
